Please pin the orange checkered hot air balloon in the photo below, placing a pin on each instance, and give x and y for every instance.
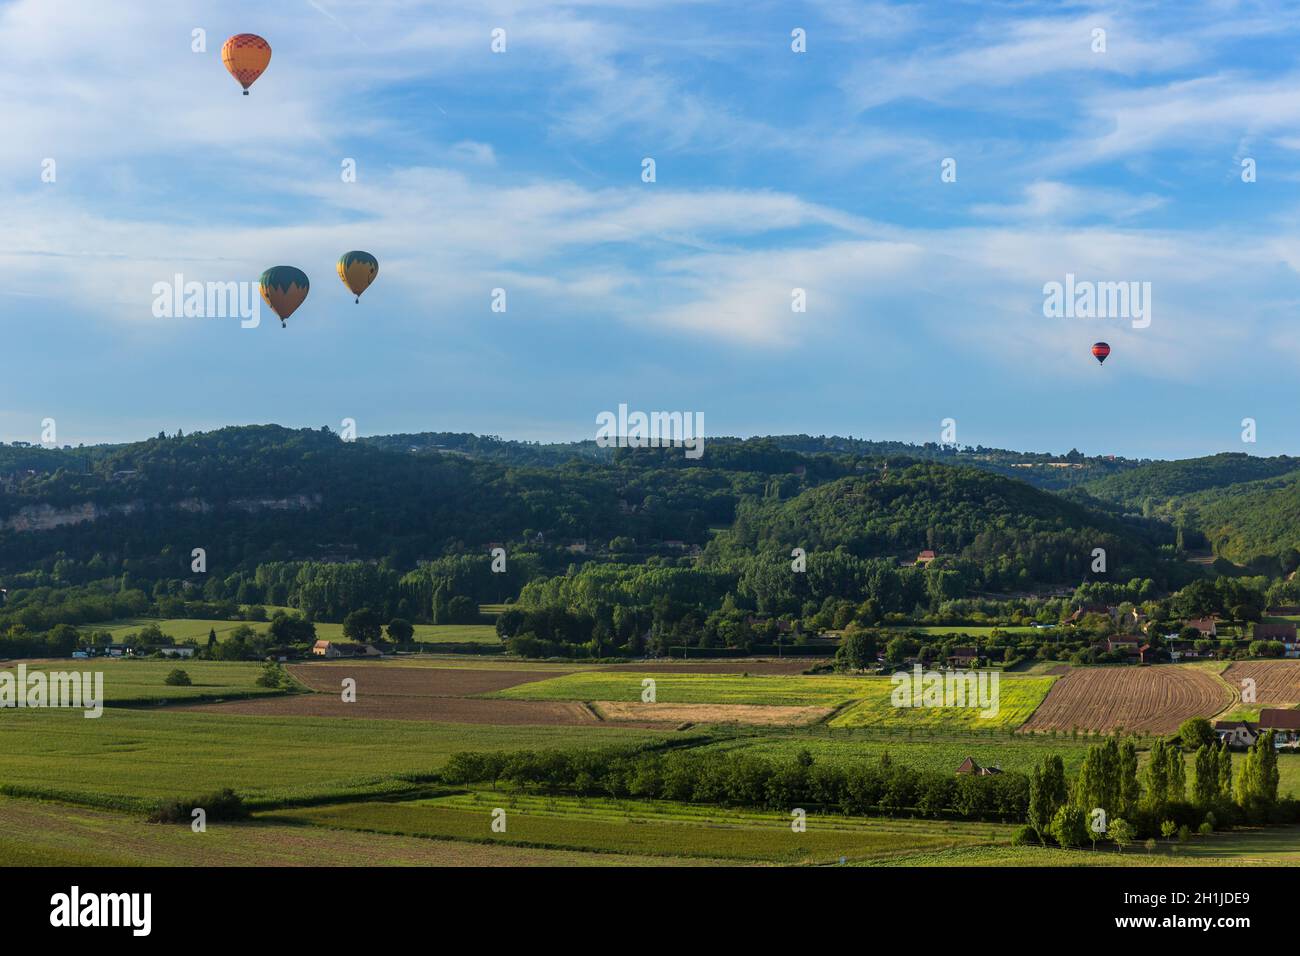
(246, 56)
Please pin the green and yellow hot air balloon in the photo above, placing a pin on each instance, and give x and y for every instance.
(358, 270)
(283, 289)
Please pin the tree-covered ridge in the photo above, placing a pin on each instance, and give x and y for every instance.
(1044, 470)
(264, 493)
(1013, 532)
(1151, 486)
(1254, 523)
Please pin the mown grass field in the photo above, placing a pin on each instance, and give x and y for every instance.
(190, 628)
(132, 758)
(940, 755)
(789, 691)
(1278, 846)
(661, 829)
(1016, 700)
(128, 681)
(34, 833)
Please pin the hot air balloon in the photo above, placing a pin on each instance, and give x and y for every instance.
(358, 270)
(246, 56)
(1099, 351)
(283, 289)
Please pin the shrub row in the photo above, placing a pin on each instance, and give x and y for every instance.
(740, 779)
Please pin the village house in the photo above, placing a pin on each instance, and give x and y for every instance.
(1133, 645)
(336, 649)
(969, 766)
(1085, 609)
(963, 656)
(1208, 626)
(1187, 651)
(1283, 631)
(1236, 733)
(1285, 725)
(925, 557)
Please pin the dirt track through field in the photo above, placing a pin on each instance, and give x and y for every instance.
(1150, 699)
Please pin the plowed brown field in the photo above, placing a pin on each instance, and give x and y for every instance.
(1277, 683)
(1151, 699)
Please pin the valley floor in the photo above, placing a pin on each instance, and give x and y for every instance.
(333, 783)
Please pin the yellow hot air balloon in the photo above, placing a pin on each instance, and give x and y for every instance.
(246, 56)
(358, 270)
(283, 289)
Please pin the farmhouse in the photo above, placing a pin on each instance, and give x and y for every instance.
(925, 557)
(963, 656)
(334, 649)
(1236, 733)
(1284, 723)
(1085, 609)
(969, 766)
(1275, 631)
(1187, 651)
(1206, 625)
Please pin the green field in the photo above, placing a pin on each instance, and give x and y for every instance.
(974, 630)
(340, 791)
(794, 691)
(129, 681)
(34, 833)
(132, 758)
(869, 698)
(661, 829)
(1278, 846)
(189, 628)
(941, 755)
(1017, 699)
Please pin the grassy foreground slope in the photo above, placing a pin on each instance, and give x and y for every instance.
(33, 833)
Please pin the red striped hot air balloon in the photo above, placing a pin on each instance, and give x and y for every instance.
(246, 56)
(1099, 351)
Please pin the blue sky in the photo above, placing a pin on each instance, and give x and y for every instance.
(775, 170)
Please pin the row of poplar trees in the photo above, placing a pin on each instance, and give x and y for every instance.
(1110, 799)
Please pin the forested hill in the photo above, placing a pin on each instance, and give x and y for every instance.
(997, 532)
(256, 494)
(1040, 469)
(253, 494)
(1244, 509)
(1253, 523)
(1154, 484)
